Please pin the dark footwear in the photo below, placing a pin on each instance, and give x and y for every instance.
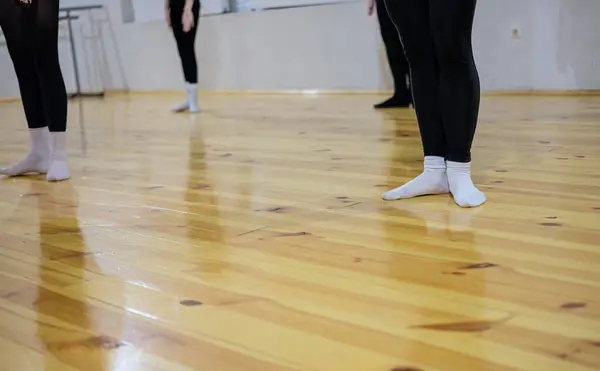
(395, 102)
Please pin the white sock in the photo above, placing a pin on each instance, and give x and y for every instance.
(191, 101)
(461, 186)
(37, 161)
(433, 180)
(59, 168)
(192, 97)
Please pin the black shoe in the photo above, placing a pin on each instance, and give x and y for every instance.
(395, 102)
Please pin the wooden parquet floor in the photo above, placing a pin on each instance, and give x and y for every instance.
(252, 237)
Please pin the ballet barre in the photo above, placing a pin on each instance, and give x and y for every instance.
(68, 10)
(66, 18)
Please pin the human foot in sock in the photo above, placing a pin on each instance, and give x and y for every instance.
(59, 168)
(180, 107)
(461, 186)
(37, 161)
(191, 102)
(433, 180)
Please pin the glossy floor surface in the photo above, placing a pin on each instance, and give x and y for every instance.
(253, 237)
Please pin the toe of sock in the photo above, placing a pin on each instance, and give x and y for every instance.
(471, 199)
(179, 108)
(389, 196)
(399, 193)
(58, 171)
(18, 170)
(57, 177)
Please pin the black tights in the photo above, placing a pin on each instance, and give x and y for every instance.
(436, 35)
(31, 33)
(185, 40)
(393, 48)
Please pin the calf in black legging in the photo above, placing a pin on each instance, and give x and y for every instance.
(436, 35)
(183, 16)
(395, 56)
(31, 32)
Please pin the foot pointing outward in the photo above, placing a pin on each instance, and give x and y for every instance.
(433, 180)
(37, 161)
(191, 102)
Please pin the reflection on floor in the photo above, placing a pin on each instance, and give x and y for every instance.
(253, 237)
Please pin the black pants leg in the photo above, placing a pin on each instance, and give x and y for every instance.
(186, 40)
(395, 52)
(459, 90)
(436, 35)
(31, 32)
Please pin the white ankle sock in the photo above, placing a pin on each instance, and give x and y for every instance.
(461, 186)
(37, 161)
(433, 180)
(191, 101)
(59, 168)
(192, 97)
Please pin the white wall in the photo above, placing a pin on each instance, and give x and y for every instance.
(152, 10)
(519, 44)
(265, 4)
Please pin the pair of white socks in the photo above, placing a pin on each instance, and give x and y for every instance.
(47, 155)
(441, 176)
(191, 102)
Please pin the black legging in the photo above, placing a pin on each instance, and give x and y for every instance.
(436, 35)
(185, 40)
(393, 48)
(31, 33)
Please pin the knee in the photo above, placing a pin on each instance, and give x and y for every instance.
(453, 52)
(418, 53)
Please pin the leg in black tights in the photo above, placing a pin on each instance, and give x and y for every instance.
(31, 32)
(436, 35)
(396, 60)
(187, 52)
(186, 40)
(458, 88)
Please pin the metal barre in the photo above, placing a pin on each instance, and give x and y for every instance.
(68, 17)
